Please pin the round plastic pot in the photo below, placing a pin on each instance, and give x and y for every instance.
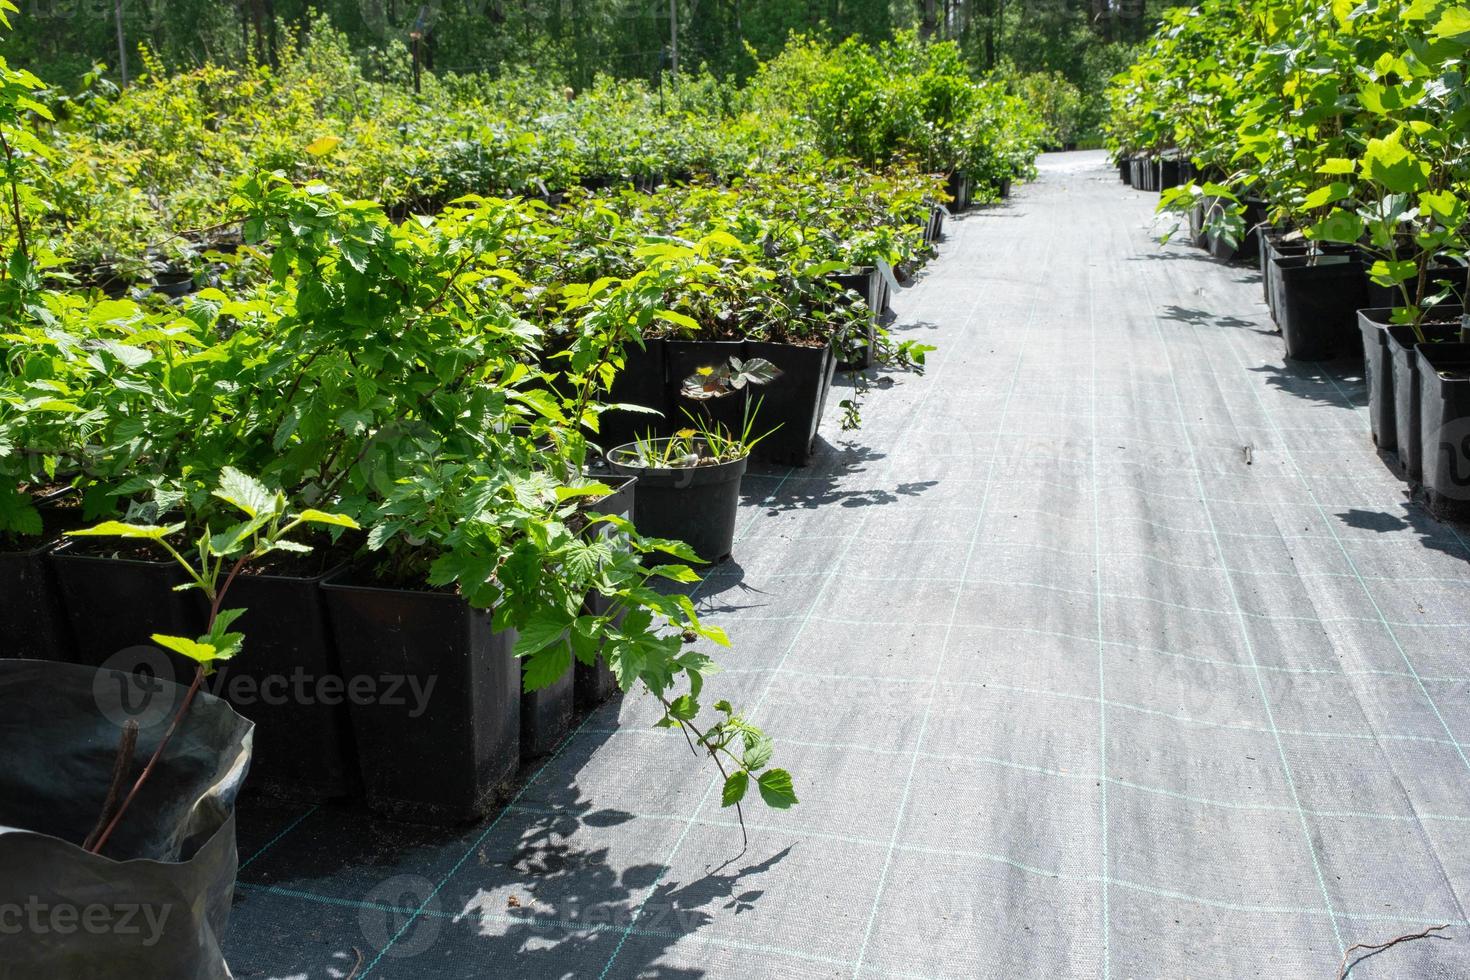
(169, 865)
(289, 682)
(1319, 296)
(113, 605)
(1373, 324)
(794, 401)
(439, 740)
(696, 505)
(595, 683)
(1402, 348)
(642, 381)
(1444, 426)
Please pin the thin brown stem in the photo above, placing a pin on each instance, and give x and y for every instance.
(20, 224)
(1343, 969)
(173, 726)
(122, 764)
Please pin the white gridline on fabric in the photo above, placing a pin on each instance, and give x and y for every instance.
(1306, 485)
(979, 523)
(914, 413)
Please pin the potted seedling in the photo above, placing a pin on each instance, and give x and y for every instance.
(119, 786)
(689, 483)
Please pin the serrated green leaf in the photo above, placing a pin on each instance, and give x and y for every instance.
(735, 786)
(777, 789)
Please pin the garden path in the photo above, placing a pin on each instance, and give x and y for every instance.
(1108, 648)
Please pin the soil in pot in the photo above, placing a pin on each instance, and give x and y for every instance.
(693, 504)
(288, 680)
(1320, 296)
(171, 858)
(1444, 427)
(33, 621)
(1401, 346)
(440, 740)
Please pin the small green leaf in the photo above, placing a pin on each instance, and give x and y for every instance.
(117, 529)
(776, 789)
(310, 516)
(735, 786)
(201, 652)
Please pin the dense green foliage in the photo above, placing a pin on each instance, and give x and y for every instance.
(1351, 121)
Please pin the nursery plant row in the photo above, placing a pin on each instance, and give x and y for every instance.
(404, 475)
(1330, 142)
(139, 182)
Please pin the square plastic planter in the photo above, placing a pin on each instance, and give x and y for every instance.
(1444, 426)
(114, 605)
(33, 623)
(795, 400)
(288, 680)
(640, 382)
(439, 740)
(1373, 324)
(596, 683)
(1393, 382)
(1319, 297)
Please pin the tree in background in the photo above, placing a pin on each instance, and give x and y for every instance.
(1086, 41)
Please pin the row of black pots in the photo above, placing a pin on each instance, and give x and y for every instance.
(406, 697)
(791, 405)
(1419, 401)
(1148, 173)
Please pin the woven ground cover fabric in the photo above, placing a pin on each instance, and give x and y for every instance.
(1108, 648)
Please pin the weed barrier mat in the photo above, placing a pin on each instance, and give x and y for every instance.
(1109, 648)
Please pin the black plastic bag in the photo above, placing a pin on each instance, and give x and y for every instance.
(156, 901)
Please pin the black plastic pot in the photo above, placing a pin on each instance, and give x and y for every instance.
(1125, 170)
(596, 683)
(960, 188)
(546, 716)
(794, 401)
(696, 505)
(288, 681)
(1444, 426)
(1403, 355)
(169, 865)
(174, 284)
(640, 382)
(440, 743)
(33, 621)
(868, 283)
(1373, 324)
(1319, 299)
(685, 357)
(1224, 251)
(1170, 173)
(115, 604)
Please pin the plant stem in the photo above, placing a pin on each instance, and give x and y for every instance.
(173, 726)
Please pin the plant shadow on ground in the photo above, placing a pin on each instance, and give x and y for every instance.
(530, 896)
(824, 483)
(1429, 529)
